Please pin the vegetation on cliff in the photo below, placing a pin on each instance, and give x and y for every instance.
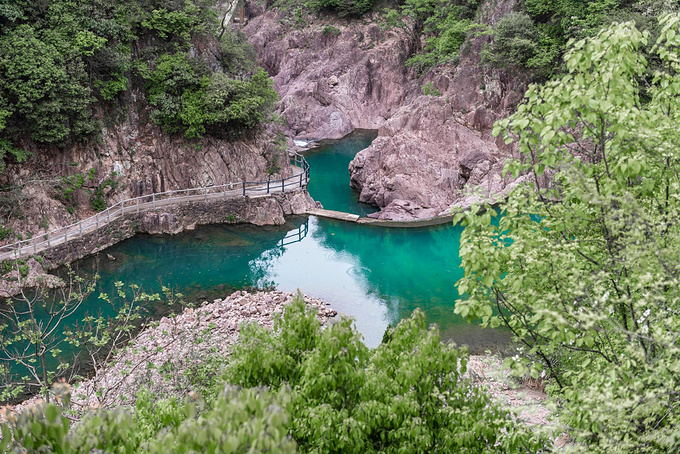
(67, 66)
(532, 36)
(583, 265)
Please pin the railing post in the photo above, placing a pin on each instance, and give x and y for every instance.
(108, 216)
(268, 181)
(137, 205)
(205, 195)
(153, 199)
(81, 228)
(244, 189)
(300, 180)
(283, 182)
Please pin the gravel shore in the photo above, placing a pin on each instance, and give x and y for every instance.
(160, 355)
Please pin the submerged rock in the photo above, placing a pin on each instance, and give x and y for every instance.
(30, 275)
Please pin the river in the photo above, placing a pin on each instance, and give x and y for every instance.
(374, 274)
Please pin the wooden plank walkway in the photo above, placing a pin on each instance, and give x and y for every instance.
(136, 205)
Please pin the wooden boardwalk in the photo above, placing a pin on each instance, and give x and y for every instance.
(136, 205)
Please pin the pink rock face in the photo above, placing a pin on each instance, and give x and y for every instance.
(332, 79)
(432, 152)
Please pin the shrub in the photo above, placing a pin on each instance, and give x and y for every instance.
(306, 388)
(190, 101)
(515, 41)
(330, 30)
(405, 396)
(430, 90)
(342, 7)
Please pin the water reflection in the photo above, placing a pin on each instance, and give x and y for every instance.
(378, 276)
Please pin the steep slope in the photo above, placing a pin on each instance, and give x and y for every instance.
(137, 158)
(336, 75)
(332, 75)
(103, 100)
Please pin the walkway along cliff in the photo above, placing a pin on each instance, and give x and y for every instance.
(256, 202)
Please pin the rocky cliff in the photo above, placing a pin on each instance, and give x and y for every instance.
(432, 151)
(333, 75)
(132, 157)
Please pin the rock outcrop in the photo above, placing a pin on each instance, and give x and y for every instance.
(333, 76)
(138, 159)
(30, 275)
(431, 151)
(437, 151)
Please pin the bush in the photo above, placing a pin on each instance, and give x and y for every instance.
(326, 392)
(405, 396)
(515, 41)
(189, 100)
(430, 90)
(329, 30)
(342, 7)
(45, 87)
(444, 24)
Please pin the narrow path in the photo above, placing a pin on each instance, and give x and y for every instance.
(39, 243)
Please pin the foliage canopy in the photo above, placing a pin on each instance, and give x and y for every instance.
(583, 265)
(304, 389)
(61, 58)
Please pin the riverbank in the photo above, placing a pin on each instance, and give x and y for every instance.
(163, 357)
(164, 354)
(171, 219)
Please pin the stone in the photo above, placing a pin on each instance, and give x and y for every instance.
(432, 151)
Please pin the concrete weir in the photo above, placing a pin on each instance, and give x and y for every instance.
(339, 215)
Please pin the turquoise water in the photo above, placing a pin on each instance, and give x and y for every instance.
(376, 275)
(329, 182)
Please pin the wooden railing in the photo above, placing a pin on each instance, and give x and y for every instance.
(135, 205)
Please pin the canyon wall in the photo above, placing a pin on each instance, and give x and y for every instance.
(137, 158)
(432, 152)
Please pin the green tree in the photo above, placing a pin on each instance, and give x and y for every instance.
(407, 395)
(31, 338)
(444, 24)
(583, 264)
(43, 87)
(303, 389)
(515, 41)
